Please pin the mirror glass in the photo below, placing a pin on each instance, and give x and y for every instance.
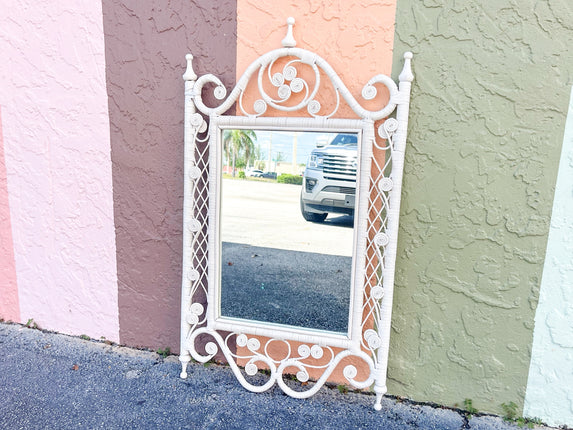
(286, 226)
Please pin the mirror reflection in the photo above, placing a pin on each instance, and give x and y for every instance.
(287, 216)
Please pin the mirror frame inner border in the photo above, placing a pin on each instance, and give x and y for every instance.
(215, 320)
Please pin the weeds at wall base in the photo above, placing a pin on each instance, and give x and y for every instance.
(510, 411)
(164, 352)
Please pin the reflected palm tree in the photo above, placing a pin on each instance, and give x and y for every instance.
(239, 144)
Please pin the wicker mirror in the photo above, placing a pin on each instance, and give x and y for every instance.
(262, 298)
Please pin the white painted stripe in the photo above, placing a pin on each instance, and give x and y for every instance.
(549, 394)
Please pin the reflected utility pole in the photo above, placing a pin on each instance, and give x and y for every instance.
(270, 152)
(294, 144)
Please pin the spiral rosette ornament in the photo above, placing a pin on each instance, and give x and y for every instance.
(313, 107)
(260, 106)
(198, 123)
(316, 352)
(194, 172)
(381, 239)
(369, 92)
(192, 318)
(297, 85)
(350, 372)
(196, 120)
(253, 344)
(388, 129)
(278, 79)
(289, 73)
(377, 292)
(304, 351)
(385, 184)
(220, 92)
(242, 340)
(284, 92)
(211, 348)
(302, 375)
(194, 225)
(251, 369)
(193, 275)
(372, 339)
(195, 311)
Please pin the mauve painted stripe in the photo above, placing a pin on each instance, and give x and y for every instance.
(145, 50)
(9, 307)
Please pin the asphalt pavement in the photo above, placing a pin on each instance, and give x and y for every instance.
(301, 289)
(54, 381)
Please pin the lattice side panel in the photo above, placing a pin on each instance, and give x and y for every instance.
(378, 204)
(197, 298)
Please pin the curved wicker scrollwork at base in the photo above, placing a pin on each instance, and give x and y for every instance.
(259, 359)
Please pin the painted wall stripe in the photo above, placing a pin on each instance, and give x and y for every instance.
(9, 307)
(57, 151)
(145, 47)
(549, 394)
(356, 40)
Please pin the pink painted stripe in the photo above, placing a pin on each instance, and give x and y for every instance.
(57, 151)
(9, 307)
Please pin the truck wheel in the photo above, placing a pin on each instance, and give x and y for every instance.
(311, 216)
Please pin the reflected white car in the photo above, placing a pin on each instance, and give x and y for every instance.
(255, 173)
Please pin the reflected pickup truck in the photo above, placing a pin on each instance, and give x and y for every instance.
(329, 182)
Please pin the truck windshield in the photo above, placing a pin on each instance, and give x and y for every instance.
(345, 140)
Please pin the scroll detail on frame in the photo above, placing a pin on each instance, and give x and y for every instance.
(283, 86)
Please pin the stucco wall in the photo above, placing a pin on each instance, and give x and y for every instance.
(550, 380)
(146, 43)
(9, 306)
(57, 154)
(488, 110)
(354, 36)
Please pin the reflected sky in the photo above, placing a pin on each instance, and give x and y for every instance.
(283, 141)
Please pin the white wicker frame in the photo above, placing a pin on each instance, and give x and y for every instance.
(375, 233)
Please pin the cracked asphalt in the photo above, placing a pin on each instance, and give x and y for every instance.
(54, 381)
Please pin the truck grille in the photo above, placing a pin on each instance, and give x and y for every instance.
(340, 167)
(339, 190)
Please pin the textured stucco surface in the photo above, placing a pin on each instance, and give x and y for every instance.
(486, 124)
(549, 395)
(9, 306)
(146, 43)
(57, 151)
(354, 36)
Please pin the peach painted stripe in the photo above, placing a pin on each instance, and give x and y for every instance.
(355, 37)
(9, 308)
(57, 153)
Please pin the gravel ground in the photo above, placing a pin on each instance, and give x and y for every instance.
(53, 381)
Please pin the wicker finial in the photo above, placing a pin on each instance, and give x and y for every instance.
(288, 41)
(407, 75)
(189, 74)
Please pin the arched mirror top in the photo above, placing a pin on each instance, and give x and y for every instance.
(282, 86)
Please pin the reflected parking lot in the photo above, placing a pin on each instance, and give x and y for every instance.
(277, 267)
